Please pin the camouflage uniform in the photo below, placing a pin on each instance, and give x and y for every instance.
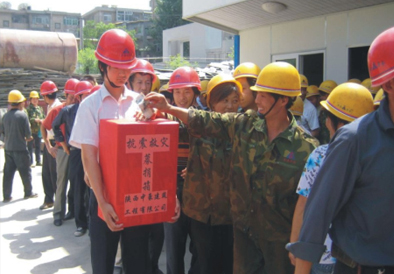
(324, 134)
(35, 113)
(206, 189)
(264, 177)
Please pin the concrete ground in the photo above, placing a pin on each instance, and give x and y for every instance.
(30, 243)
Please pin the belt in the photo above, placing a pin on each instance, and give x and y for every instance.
(341, 256)
(73, 148)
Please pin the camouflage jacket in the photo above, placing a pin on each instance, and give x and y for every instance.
(264, 175)
(183, 152)
(33, 114)
(206, 188)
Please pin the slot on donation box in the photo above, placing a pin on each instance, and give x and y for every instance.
(138, 162)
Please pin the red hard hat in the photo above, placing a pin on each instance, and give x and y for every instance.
(70, 85)
(83, 87)
(94, 89)
(143, 66)
(48, 87)
(184, 77)
(381, 58)
(116, 49)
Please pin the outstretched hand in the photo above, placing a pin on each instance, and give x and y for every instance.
(157, 100)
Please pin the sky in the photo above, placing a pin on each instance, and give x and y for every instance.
(78, 6)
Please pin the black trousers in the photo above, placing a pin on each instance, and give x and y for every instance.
(49, 176)
(78, 189)
(156, 242)
(104, 243)
(16, 160)
(214, 245)
(36, 145)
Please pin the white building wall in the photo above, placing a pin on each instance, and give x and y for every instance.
(192, 7)
(334, 34)
(204, 42)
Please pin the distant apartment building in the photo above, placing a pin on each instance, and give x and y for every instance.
(27, 19)
(132, 19)
(198, 43)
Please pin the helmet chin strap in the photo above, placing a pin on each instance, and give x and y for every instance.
(261, 115)
(110, 82)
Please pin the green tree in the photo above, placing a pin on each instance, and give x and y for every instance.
(167, 14)
(87, 62)
(92, 32)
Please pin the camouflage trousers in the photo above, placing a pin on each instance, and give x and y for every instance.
(262, 257)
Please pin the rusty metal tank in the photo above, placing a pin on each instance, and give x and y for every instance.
(38, 49)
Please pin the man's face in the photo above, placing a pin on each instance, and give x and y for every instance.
(184, 97)
(142, 83)
(118, 76)
(265, 101)
(69, 99)
(34, 101)
(247, 98)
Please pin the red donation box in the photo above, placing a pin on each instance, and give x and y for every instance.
(138, 162)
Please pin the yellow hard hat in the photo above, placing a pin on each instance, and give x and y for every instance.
(349, 101)
(378, 97)
(303, 81)
(367, 83)
(15, 96)
(327, 86)
(218, 80)
(298, 107)
(246, 69)
(354, 80)
(312, 90)
(34, 94)
(204, 85)
(156, 85)
(279, 78)
(163, 88)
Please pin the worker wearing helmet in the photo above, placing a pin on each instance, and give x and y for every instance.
(185, 87)
(325, 89)
(61, 158)
(345, 103)
(66, 118)
(353, 191)
(201, 99)
(297, 110)
(36, 115)
(268, 154)
(246, 73)
(16, 131)
(210, 217)
(141, 81)
(48, 91)
(142, 77)
(116, 57)
(313, 95)
(310, 116)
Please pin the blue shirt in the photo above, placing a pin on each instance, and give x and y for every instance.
(354, 190)
(66, 116)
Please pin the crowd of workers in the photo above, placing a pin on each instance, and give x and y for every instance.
(256, 192)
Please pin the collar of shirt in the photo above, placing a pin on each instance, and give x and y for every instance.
(54, 104)
(384, 118)
(125, 95)
(288, 134)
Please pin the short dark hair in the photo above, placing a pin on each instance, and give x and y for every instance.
(102, 68)
(335, 120)
(52, 95)
(290, 102)
(252, 82)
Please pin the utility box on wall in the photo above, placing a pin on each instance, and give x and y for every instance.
(138, 162)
